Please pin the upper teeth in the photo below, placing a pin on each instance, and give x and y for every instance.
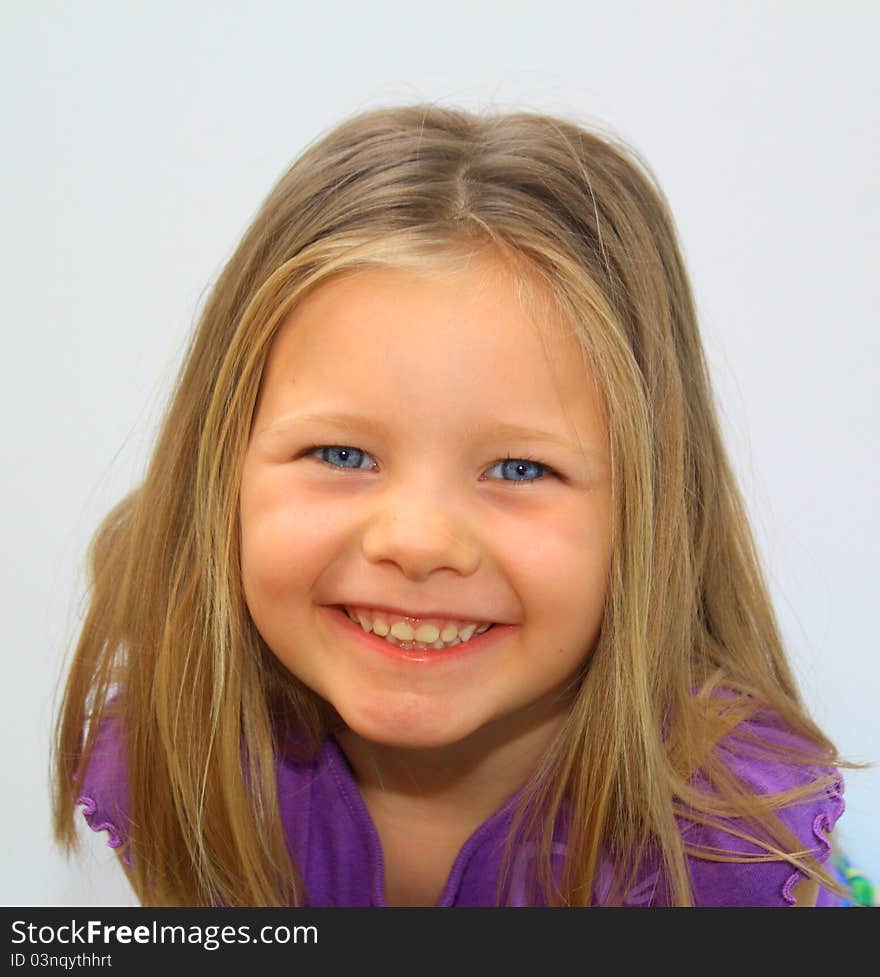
(434, 634)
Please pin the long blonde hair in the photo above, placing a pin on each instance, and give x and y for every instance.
(168, 647)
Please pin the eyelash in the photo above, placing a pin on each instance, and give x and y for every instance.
(546, 470)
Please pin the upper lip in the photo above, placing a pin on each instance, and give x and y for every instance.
(411, 614)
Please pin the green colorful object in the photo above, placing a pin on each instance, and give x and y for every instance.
(861, 890)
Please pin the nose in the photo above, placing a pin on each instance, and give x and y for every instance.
(420, 537)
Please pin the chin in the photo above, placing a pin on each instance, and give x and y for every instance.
(407, 723)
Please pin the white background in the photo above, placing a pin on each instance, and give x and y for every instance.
(139, 139)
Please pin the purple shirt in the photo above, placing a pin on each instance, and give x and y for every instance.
(336, 847)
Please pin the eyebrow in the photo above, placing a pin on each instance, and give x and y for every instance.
(498, 429)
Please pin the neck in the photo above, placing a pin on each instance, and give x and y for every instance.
(426, 802)
(468, 780)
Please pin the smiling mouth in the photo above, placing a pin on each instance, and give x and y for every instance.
(412, 634)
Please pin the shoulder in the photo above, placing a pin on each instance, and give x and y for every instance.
(796, 800)
(103, 791)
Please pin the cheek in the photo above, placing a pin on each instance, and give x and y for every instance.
(285, 544)
(562, 559)
(563, 566)
(281, 558)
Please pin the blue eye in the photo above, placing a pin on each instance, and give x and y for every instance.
(341, 457)
(521, 470)
(515, 470)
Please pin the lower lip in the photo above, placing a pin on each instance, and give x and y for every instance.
(429, 657)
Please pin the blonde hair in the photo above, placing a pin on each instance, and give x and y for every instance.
(168, 646)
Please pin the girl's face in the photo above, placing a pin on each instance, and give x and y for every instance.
(420, 459)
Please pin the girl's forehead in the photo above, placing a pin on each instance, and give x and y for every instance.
(481, 308)
(449, 322)
(441, 349)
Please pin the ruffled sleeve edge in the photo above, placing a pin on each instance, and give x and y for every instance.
(98, 822)
(823, 824)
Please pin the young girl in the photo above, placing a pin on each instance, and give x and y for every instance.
(439, 589)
